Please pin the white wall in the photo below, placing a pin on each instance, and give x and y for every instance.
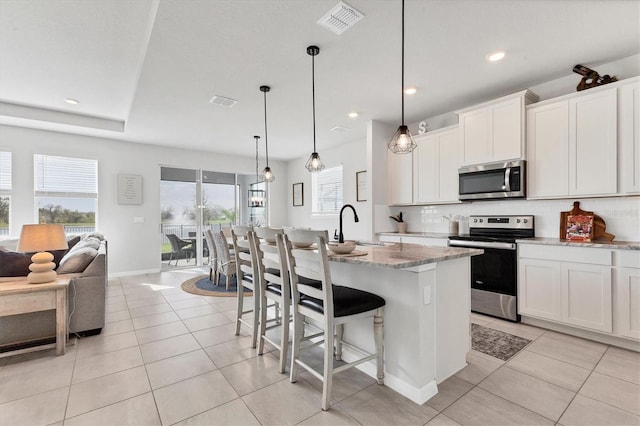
(353, 158)
(132, 247)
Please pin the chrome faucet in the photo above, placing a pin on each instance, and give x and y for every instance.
(355, 217)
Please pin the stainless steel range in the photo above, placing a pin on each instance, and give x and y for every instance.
(494, 275)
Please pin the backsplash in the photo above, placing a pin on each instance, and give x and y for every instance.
(621, 214)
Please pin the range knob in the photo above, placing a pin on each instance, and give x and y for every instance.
(475, 220)
(525, 220)
(518, 221)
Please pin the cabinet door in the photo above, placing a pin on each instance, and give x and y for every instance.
(475, 137)
(400, 178)
(448, 162)
(629, 139)
(593, 144)
(505, 130)
(548, 150)
(426, 169)
(627, 291)
(539, 288)
(586, 296)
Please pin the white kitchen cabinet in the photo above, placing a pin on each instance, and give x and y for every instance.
(548, 150)
(593, 144)
(572, 146)
(494, 131)
(539, 288)
(568, 285)
(626, 292)
(629, 137)
(586, 295)
(400, 178)
(435, 167)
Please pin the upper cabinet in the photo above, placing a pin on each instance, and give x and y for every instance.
(629, 137)
(494, 131)
(585, 144)
(435, 167)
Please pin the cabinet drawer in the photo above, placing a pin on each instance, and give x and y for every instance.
(626, 258)
(566, 254)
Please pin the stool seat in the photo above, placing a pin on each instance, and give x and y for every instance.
(346, 301)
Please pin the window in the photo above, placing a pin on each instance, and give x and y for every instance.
(326, 191)
(5, 191)
(66, 191)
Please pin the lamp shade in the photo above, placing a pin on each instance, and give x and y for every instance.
(42, 237)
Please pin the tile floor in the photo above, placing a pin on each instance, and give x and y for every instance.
(169, 357)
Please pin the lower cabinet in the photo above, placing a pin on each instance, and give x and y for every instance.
(568, 285)
(626, 291)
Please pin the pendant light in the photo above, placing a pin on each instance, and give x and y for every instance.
(256, 196)
(402, 141)
(314, 164)
(267, 174)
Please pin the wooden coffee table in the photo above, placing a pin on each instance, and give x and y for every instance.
(20, 297)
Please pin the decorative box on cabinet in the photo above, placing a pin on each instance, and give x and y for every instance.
(495, 130)
(400, 178)
(435, 167)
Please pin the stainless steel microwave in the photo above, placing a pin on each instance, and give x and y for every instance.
(505, 179)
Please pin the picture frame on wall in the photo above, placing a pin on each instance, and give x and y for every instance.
(298, 194)
(361, 185)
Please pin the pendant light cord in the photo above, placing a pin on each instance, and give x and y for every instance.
(402, 91)
(257, 181)
(266, 138)
(313, 97)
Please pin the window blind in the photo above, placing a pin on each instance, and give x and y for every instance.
(65, 176)
(327, 191)
(5, 172)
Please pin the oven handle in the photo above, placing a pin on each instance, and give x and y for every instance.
(507, 180)
(481, 244)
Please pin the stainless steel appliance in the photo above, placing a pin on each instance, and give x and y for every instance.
(494, 274)
(505, 179)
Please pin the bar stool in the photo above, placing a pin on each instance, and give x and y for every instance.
(246, 271)
(275, 286)
(330, 306)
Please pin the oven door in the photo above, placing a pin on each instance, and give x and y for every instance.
(493, 278)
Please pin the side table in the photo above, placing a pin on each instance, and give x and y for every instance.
(20, 297)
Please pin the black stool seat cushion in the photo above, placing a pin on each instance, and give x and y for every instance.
(277, 289)
(346, 301)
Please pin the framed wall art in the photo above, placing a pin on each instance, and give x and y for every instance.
(361, 186)
(298, 194)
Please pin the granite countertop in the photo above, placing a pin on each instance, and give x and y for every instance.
(402, 255)
(443, 235)
(616, 245)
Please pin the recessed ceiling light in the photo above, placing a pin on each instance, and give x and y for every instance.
(495, 56)
(410, 90)
(353, 114)
(72, 101)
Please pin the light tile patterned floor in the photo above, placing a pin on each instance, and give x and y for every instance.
(169, 357)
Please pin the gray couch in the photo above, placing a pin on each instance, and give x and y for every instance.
(86, 307)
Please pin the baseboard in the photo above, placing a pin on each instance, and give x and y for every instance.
(127, 273)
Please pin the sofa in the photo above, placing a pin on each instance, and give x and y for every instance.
(85, 262)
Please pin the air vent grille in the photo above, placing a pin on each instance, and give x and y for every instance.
(340, 18)
(222, 101)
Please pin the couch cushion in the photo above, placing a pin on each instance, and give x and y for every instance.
(77, 259)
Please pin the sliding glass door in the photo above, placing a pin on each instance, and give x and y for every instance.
(192, 201)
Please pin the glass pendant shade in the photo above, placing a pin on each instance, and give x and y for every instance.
(402, 141)
(314, 164)
(267, 174)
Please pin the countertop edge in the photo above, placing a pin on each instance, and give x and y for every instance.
(613, 245)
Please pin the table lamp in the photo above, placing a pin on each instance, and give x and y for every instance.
(40, 238)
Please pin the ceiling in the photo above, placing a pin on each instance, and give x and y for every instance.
(145, 70)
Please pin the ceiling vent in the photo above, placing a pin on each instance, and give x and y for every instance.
(340, 18)
(339, 129)
(222, 101)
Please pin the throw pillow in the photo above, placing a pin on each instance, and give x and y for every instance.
(14, 264)
(73, 241)
(77, 260)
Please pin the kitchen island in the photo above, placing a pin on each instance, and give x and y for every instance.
(427, 312)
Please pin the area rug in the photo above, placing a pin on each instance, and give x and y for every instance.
(203, 286)
(496, 343)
